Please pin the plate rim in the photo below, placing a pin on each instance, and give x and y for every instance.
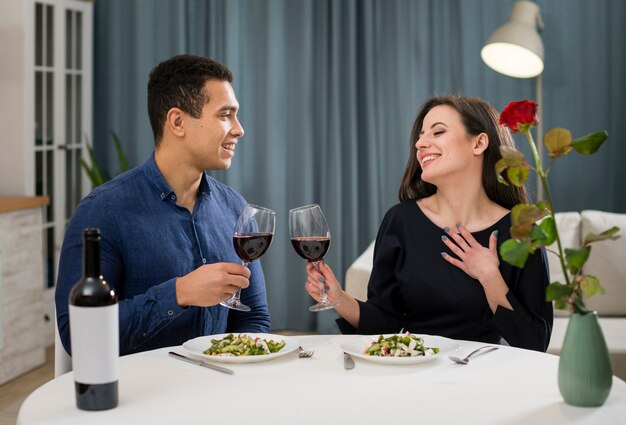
(454, 345)
(291, 344)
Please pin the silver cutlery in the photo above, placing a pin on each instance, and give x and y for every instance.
(303, 354)
(200, 363)
(348, 361)
(466, 359)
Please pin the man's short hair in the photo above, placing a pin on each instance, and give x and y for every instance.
(179, 83)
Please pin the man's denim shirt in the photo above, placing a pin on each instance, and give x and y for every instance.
(147, 242)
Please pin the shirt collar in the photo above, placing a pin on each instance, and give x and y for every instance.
(162, 189)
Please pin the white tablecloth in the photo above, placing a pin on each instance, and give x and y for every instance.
(507, 386)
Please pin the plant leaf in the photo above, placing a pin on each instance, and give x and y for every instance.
(538, 235)
(120, 153)
(514, 252)
(523, 216)
(549, 228)
(558, 142)
(557, 291)
(518, 175)
(515, 164)
(90, 173)
(607, 234)
(575, 258)
(500, 167)
(590, 143)
(97, 178)
(590, 285)
(512, 156)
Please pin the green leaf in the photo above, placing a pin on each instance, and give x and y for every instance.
(523, 216)
(92, 176)
(94, 173)
(120, 153)
(575, 258)
(558, 142)
(514, 252)
(590, 143)
(512, 156)
(590, 285)
(556, 291)
(514, 163)
(607, 234)
(500, 167)
(537, 235)
(560, 304)
(518, 175)
(549, 228)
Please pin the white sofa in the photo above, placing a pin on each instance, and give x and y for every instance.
(607, 262)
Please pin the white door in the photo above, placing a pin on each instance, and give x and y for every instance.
(62, 75)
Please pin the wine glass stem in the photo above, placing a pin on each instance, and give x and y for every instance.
(323, 296)
(237, 295)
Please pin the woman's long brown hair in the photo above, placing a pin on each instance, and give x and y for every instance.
(478, 117)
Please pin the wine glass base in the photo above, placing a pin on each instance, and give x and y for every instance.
(321, 306)
(235, 305)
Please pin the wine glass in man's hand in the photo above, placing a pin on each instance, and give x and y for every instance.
(310, 237)
(252, 238)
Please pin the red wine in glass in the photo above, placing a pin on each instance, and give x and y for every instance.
(251, 246)
(311, 248)
(251, 239)
(310, 238)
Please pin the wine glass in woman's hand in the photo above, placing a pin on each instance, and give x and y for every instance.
(310, 238)
(252, 238)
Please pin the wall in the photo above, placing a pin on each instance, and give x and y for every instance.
(13, 39)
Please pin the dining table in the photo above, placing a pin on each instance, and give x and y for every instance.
(505, 386)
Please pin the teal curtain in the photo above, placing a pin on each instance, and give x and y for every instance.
(329, 90)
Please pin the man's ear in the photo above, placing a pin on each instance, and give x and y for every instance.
(481, 142)
(175, 122)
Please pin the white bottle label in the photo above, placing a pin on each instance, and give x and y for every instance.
(95, 341)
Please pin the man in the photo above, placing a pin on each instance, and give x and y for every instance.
(167, 226)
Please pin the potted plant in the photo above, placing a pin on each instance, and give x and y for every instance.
(585, 374)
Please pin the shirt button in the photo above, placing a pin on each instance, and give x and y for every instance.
(170, 313)
(162, 195)
(173, 197)
(204, 261)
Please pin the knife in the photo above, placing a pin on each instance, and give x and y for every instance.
(348, 361)
(200, 363)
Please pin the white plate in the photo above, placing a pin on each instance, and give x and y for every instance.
(356, 347)
(201, 343)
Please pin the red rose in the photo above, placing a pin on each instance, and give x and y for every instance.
(520, 115)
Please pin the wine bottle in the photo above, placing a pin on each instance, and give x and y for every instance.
(94, 332)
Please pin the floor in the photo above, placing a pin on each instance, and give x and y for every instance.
(12, 394)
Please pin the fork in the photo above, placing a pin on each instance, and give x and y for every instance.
(465, 360)
(303, 354)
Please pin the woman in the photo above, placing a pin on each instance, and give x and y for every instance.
(436, 266)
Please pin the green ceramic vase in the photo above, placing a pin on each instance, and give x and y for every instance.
(585, 373)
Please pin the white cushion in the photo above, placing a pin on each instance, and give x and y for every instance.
(358, 275)
(607, 262)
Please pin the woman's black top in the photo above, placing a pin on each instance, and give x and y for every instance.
(413, 288)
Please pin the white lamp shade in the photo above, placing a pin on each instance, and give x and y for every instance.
(516, 49)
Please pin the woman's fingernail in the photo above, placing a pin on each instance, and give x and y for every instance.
(458, 226)
(495, 233)
(321, 279)
(443, 254)
(446, 229)
(444, 238)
